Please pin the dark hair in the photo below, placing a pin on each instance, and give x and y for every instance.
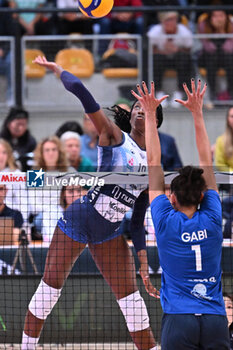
(188, 186)
(226, 295)
(209, 26)
(14, 113)
(69, 126)
(122, 117)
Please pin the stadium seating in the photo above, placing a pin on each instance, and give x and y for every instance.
(119, 72)
(32, 70)
(79, 62)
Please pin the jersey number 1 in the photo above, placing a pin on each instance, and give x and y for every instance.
(197, 249)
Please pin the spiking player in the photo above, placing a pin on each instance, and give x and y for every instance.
(94, 220)
(189, 237)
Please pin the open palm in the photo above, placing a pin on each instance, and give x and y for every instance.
(194, 97)
(148, 100)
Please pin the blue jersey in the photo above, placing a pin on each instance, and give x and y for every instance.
(190, 256)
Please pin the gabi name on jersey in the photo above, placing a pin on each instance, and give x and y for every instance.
(194, 236)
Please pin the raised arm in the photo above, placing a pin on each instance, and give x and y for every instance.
(153, 148)
(194, 103)
(74, 85)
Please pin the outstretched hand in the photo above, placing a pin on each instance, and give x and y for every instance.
(194, 97)
(151, 290)
(42, 61)
(148, 100)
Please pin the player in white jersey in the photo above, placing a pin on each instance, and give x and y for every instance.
(94, 220)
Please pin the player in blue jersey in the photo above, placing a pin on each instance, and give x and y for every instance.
(188, 229)
(94, 220)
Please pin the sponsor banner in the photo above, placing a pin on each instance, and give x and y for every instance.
(39, 178)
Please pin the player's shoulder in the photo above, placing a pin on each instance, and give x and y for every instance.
(211, 193)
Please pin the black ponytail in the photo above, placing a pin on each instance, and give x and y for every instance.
(121, 118)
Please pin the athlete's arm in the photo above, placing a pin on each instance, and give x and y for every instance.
(195, 104)
(153, 148)
(108, 131)
(137, 231)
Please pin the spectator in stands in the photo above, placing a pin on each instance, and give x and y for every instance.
(217, 53)
(50, 156)
(72, 143)
(5, 211)
(7, 160)
(69, 126)
(152, 17)
(223, 156)
(30, 23)
(224, 145)
(172, 53)
(119, 22)
(16, 196)
(69, 194)
(15, 131)
(89, 141)
(72, 22)
(229, 310)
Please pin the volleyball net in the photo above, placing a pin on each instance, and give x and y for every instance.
(87, 315)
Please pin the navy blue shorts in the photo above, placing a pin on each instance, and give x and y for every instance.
(190, 332)
(84, 224)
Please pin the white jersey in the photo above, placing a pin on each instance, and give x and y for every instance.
(113, 201)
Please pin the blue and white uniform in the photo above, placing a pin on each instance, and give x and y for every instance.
(96, 217)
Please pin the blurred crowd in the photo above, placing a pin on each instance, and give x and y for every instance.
(168, 52)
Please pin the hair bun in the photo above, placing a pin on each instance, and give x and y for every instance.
(191, 174)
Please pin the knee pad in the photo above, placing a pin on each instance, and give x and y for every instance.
(134, 310)
(43, 300)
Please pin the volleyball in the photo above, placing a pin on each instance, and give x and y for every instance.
(95, 8)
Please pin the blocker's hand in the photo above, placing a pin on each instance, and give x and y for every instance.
(147, 99)
(151, 290)
(42, 61)
(195, 97)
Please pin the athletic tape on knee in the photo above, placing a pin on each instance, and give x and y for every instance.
(134, 310)
(43, 300)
